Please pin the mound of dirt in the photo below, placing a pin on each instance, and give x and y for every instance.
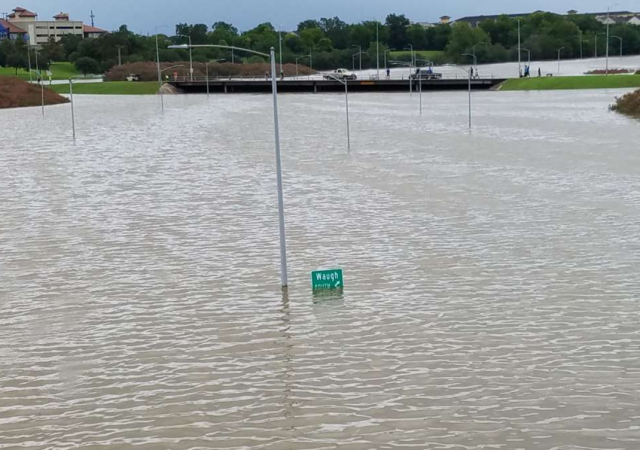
(17, 93)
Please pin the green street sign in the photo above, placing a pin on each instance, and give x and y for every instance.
(325, 280)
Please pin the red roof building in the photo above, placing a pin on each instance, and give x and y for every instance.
(21, 13)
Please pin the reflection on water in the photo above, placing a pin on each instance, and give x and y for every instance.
(491, 276)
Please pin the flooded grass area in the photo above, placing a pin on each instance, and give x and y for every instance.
(491, 286)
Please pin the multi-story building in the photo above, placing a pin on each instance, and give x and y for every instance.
(38, 32)
(611, 18)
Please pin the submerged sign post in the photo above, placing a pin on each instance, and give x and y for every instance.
(327, 280)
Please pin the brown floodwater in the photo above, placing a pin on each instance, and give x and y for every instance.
(492, 283)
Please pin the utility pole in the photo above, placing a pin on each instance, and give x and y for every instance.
(92, 18)
(120, 47)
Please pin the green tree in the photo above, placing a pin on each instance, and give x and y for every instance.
(53, 50)
(463, 38)
(293, 42)
(397, 30)
(360, 35)
(6, 49)
(337, 31)
(417, 36)
(70, 43)
(311, 37)
(87, 65)
(307, 24)
(438, 37)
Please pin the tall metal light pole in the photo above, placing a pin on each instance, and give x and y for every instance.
(276, 125)
(161, 83)
(207, 72)
(346, 96)
(158, 64)
(280, 52)
(469, 73)
(120, 47)
(475, 59)
(298, 59)
(385, 57)
(608, 27)
(29, 60)
(559, 51)
(519, 49)
(620, 39)
(529, 53)
(473, 48)
(410, 46)
(360, 54)
(378, 47)
(73, 114)
(579, 36)
(40, 79)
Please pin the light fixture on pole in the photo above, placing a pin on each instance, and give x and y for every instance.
(161, 83)
(158, 66)
(475, 59)
(410, 46)
(346, 94)
(29, 61)
(73, 114)
(469, 73)
(559, 51)
(276, 126)
(207, 72)
(620, 39)
(473, 48)
(378, 47)
(360, 54)
(385, 57)
(579, 36)
(529, 54)
(519, 48)
(298, 59)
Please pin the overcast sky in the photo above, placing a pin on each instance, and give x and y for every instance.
(143, 16)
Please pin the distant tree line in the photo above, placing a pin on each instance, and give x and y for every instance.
(332, 42)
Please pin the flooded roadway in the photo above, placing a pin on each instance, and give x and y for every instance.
(492, 276)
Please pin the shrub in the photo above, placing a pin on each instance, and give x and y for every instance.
(628, 104)
(87, 65)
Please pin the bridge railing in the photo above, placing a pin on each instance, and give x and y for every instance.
(320, 77)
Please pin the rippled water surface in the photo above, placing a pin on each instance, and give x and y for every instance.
(492, 277)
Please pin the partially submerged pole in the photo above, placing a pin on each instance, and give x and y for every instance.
(276, 124)
(73, 115)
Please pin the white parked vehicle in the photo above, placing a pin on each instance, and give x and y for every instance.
(342, 74)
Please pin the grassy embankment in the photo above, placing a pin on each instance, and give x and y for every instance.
(59, 71)
(585, 82)
(110, 88)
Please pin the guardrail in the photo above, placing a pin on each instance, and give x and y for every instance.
(186, 79)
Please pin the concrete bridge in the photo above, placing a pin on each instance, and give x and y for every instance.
(318, 85)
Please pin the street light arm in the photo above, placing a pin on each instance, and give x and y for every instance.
(172, 67)
(228, 47)
(337, 79)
